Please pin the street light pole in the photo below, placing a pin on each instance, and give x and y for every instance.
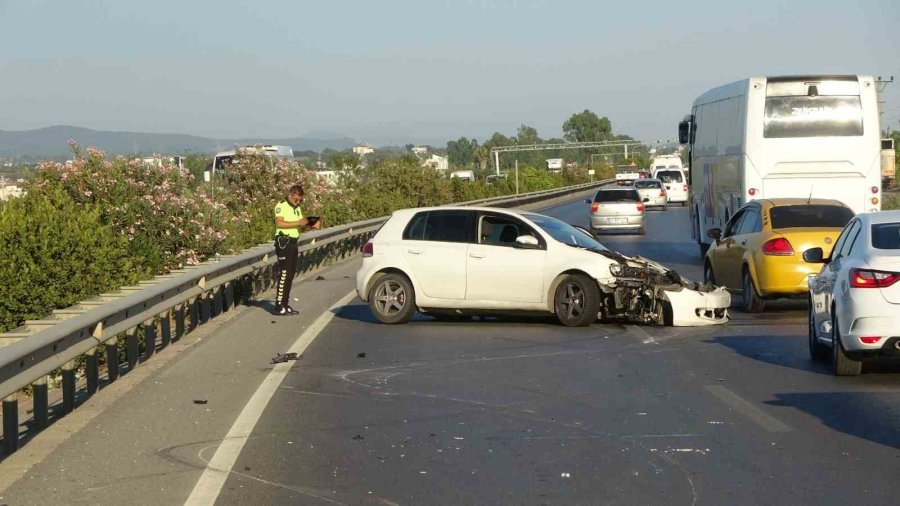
(517, 176)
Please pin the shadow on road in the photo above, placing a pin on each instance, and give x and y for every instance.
(362, 313)
(868, 415)
(786, 351)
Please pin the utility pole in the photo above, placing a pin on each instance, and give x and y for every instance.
(881, 85)
(497, 162)
(517, 176)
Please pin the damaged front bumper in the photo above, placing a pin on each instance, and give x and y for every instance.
(647, 292)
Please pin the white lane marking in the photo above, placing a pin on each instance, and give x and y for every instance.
(755, 414)
(210, 484)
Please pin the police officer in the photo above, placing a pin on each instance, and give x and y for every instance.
(289, 221)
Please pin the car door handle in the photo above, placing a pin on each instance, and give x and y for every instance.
(477, 255)
(414, 251)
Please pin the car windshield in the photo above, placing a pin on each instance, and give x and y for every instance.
(647, 184)
(886, 236)
(565, 233)
(616, 196)
(811, 215)
(670, 176)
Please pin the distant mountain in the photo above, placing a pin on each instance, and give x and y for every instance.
(52, 142)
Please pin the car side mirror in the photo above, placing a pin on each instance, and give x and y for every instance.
(527, 242)
(684, 130)
(814, 256)
(714, 233)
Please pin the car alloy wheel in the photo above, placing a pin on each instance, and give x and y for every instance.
(392, 299)
(817, 351)
(840, 362)
(753, 303)
(577, 301)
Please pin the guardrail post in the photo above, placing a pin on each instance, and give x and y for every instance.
(68, 386)
(218, 304)
(112, 359)
(10, 424)
(204, 303)
(194, 313)
(132, 351)
(41, 404)
(179, 321)
(165, 327)
(229, 296)
(92, 371)
(149, 338)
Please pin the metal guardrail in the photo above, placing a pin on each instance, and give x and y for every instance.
(162, 310)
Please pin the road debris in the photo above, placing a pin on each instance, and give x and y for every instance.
(284, 357)
(361, 355)
(200, 401)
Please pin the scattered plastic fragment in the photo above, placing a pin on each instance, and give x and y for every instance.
(320, 278)
(358, 437)
(284, 357)
(200, 401)
(361, 355)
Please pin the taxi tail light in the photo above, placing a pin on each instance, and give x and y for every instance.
(368, 250)
(867, 278)
(595, 206)
(778, 246)
(640, 206)
(869, 339)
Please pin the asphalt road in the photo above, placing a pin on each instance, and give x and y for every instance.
(512, 411)
(527, 412)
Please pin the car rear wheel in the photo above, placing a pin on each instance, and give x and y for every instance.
(841, 363)
(577, 301)
(753, 303)
(393, 299)
(817, 351)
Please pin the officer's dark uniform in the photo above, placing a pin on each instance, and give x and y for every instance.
(286, 251)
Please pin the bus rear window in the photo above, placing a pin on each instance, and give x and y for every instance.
(818, 116)
(810, 216)
(886, 236)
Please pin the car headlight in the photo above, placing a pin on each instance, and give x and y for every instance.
(615, 269)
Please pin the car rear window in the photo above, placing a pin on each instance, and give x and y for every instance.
(647, 184)
(670, 176)
(886, 236)
(812, 215)
(616, 195)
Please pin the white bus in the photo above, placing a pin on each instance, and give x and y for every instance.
(797, 136)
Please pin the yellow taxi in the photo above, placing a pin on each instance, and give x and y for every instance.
(759, 253)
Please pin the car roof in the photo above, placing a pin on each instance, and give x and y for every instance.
(777, 202)
(881, 217)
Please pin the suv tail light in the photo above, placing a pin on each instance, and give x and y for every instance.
(640, 206)
(866, 278)
(368, 250)
(595, 206)
(685, 188)
(778, 246)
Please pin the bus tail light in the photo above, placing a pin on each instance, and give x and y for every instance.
(874, 201)
(874, 189)
(778, 246)
(752, 191)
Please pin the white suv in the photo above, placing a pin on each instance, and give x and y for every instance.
(460, 260)
(675, 183)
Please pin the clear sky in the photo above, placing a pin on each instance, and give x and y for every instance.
(398, 71)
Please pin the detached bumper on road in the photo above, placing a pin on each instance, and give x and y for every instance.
(691, 308)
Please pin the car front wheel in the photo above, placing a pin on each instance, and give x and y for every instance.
(817, 351)
(393, 299)
(577, 301)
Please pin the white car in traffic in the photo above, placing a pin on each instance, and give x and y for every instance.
(458, 261)
(854, 310)
(675, 183)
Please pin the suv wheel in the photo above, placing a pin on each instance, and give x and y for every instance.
(393, 299)
(577, 301)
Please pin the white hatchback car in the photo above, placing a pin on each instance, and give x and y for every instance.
(855, 298)
(462, 261)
